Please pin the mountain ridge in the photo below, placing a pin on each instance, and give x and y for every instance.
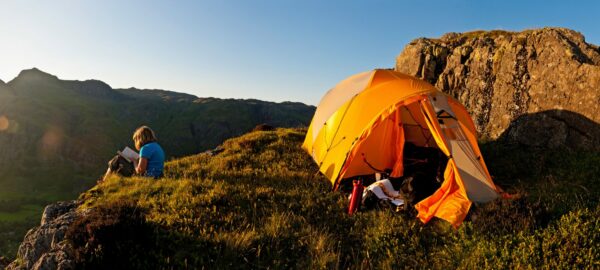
(33, 75)
(36, 88)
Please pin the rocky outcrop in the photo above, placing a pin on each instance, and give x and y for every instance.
(502, 77)
(45, 247)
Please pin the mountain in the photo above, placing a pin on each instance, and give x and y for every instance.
(57, 135)
(259, 204)
(537, 87)
(88, 120)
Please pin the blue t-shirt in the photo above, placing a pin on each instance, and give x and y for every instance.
(156, 159)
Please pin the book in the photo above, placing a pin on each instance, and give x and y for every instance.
(129, 154)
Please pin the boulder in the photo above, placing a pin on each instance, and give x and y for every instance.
(44, 246)
(506, 79)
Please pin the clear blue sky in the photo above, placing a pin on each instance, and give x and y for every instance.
(271, 50)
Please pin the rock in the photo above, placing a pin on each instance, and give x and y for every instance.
(51, 212)
(450, 36)
(503, 76)
(60, 258)
(554, 129)
(44, 246)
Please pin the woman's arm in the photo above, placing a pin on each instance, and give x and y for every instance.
(142, 165)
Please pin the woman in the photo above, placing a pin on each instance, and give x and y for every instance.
(152, 156)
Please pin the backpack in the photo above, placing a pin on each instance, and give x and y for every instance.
(119, 165)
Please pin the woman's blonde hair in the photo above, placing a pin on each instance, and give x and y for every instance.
(142, 136)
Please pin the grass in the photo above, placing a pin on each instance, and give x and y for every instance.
(12, 232)
(25, 211)
(14, 225)
(18, 214)
(259, 204)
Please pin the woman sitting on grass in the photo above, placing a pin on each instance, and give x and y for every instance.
(152, 156)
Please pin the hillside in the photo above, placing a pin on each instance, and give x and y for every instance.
(536, 87)
(57, 135)
(259, 204)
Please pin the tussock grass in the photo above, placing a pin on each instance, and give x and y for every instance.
(259, 204)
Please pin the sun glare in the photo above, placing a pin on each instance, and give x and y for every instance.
(4, 123)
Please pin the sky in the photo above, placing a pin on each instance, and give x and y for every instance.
(280, 50)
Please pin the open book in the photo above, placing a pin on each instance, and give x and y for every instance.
(129, 154)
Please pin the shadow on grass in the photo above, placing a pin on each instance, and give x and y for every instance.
(550, 160)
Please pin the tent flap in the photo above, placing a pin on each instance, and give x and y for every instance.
(449, 202)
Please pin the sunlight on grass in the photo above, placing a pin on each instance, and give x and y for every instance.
(260, 204)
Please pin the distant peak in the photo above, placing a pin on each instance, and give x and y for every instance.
(35, 73)
(34, 70)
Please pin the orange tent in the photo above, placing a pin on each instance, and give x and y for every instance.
(369, 116)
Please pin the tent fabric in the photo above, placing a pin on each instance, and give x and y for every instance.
(331, 102)
(361, 125)
(343, 128)
(449, 202)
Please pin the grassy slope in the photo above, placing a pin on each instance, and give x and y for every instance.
(93, 124)
(259, 204)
